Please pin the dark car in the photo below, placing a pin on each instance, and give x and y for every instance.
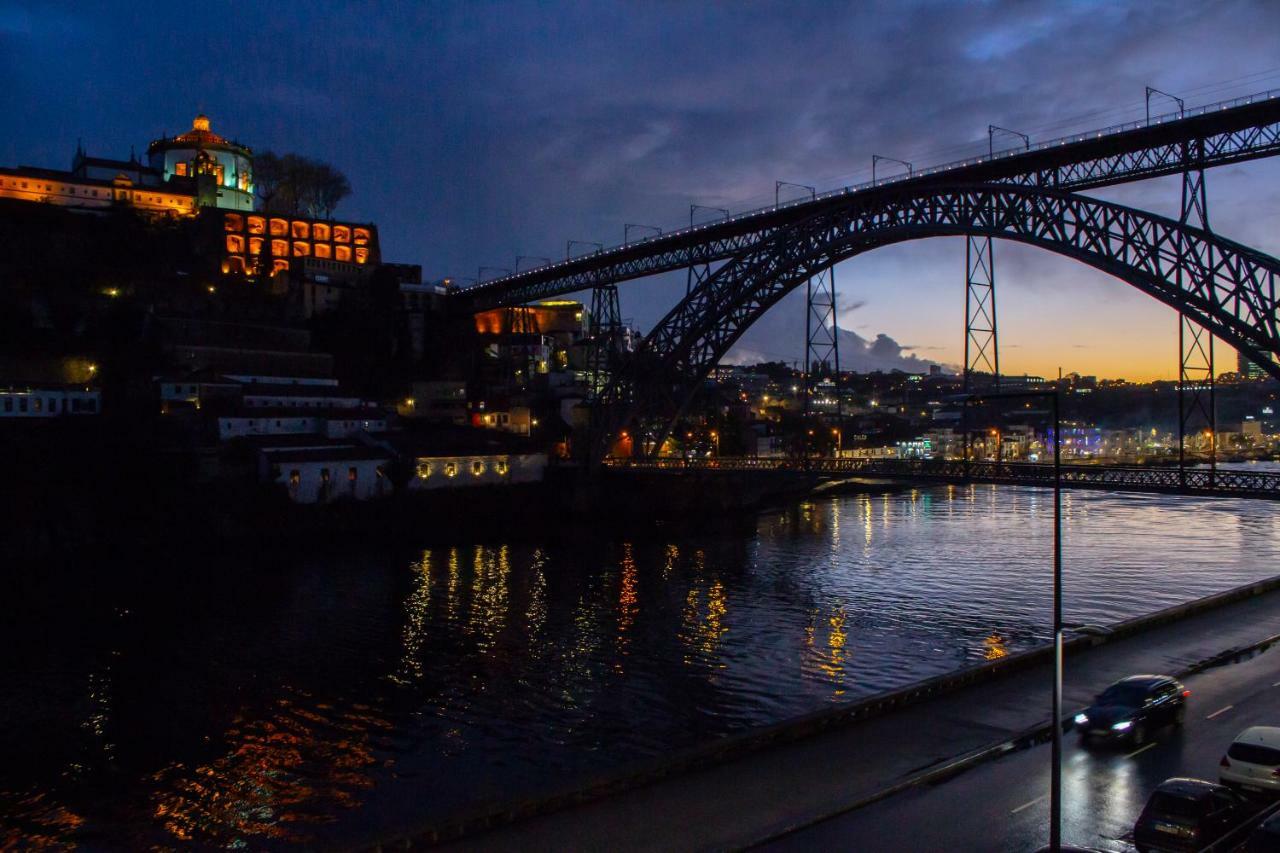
(1133, 707)
(1266, 838)
(1188, 814)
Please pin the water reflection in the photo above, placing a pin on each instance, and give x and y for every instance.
(361, 690)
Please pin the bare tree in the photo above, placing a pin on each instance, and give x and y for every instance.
(295, 185)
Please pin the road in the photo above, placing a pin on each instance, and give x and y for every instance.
(1004, 805)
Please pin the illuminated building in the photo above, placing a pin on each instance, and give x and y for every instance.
(222, 170)
(1247, 368)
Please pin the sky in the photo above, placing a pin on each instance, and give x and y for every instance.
(476, 132)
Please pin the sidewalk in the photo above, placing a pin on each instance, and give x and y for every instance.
(752, 797)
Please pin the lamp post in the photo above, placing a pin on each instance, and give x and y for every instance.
(1055, 775)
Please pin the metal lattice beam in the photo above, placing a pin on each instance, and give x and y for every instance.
(1225, 287)
(822, 337)
(981, 343)
(1197, 408)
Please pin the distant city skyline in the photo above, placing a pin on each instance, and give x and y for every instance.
(476, 132)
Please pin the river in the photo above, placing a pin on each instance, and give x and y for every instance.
(332, 698)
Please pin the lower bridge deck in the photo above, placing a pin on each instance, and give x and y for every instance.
(1133, 478)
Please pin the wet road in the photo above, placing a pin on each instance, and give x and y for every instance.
(1004, 806)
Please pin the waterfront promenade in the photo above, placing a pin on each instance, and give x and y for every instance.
(766, 792)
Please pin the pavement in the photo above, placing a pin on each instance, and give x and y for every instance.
(775, 791)
(1003, 805)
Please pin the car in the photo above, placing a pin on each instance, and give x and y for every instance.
(1266, 838)
(1188, 814)
(1252, 762)
(1133, 707)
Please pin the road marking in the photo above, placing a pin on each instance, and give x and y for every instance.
(1277, 684)
(1219, 711)
(1140, 750)
(1028, 805)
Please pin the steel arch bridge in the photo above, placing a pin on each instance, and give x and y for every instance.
(1028, 196)
(1227, 288)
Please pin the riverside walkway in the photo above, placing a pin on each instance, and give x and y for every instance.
(745, 790)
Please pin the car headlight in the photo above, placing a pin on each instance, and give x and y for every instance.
(1121, 726)
(1081, 719)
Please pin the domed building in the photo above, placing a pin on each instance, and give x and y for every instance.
(222, 168)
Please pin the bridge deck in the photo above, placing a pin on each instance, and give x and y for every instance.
(1132, 478)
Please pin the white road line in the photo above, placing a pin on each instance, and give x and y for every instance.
(1028, 805)
(1277, 684)
(1219, 711)
(1140, 750)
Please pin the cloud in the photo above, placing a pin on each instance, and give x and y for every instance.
(882, 353)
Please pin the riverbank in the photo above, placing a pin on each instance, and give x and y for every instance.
(746, 789)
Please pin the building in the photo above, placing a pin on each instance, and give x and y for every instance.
(327, 474)
(221, 171)
(325, 251)
(1247, 368)
(48, 401)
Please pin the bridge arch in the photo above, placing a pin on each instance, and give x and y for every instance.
(1226, 287)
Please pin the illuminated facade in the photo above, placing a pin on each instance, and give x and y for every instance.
(222, 169)
(270, 244)
(66, 189)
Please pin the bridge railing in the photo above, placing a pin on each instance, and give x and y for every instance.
(1141, 477)
(927, 171)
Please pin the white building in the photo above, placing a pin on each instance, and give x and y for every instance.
(464, 470)
(331, 423)
(328, 474)
(48, 402)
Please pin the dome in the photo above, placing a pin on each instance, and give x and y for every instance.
(201, 122)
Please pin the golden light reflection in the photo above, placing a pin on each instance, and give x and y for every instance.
(34, 822)
(451, 589)
(489, 594)
(833, 664)
(671, 558)
(995, 647)
(417, 613)
(627, 602)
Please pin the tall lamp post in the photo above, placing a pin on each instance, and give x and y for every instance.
(1055, 776)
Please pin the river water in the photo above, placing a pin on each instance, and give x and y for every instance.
(335, 698)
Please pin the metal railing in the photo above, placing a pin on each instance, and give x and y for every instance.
(915, 175)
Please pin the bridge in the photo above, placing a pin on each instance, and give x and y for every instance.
(1131, 478)
(741, 265)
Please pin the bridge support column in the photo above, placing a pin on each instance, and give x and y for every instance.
(1196, 405)
(517, 371)
(981, 340)
(602, 360)
(821, 336)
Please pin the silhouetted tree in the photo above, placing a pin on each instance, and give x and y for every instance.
(295, 185)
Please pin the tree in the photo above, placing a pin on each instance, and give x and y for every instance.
(295, 185)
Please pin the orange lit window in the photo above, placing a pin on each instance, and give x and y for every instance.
(323, 250)
(279, 265)
(301, 230)
(233, 264)
(362, 255)
(279, 228)
(301, 248)
(257, 225)
(255, 245)
(280, 248)
(342, 234)
(180, 169)
(235, 243)
(320, 231)
(362, 236)
(234, 222)
(342, 253)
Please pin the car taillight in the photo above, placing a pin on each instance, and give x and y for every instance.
(1224, 762)
(1186, 693)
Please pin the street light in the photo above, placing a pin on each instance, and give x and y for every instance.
(1055, 777)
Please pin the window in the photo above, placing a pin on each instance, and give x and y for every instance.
(301, 248)
(451, 469)
(362, 255)
(22, 404)
(320, 231)
(424, 467)
(39, 404)
(53, 405)
(279, 265)
(501, 467)
(255, 245)
(235, 243)
(257, 225)
(91, 405)
(8, 404)
(279, 228)
(280, 248)
(234, 222)
(295, 479)
(180, 169)
(342, 253)
(301, 230)
(362, 236)
(323, 250)
(1254, 753)
(477, 468)
(341, 234)
(233, 264)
